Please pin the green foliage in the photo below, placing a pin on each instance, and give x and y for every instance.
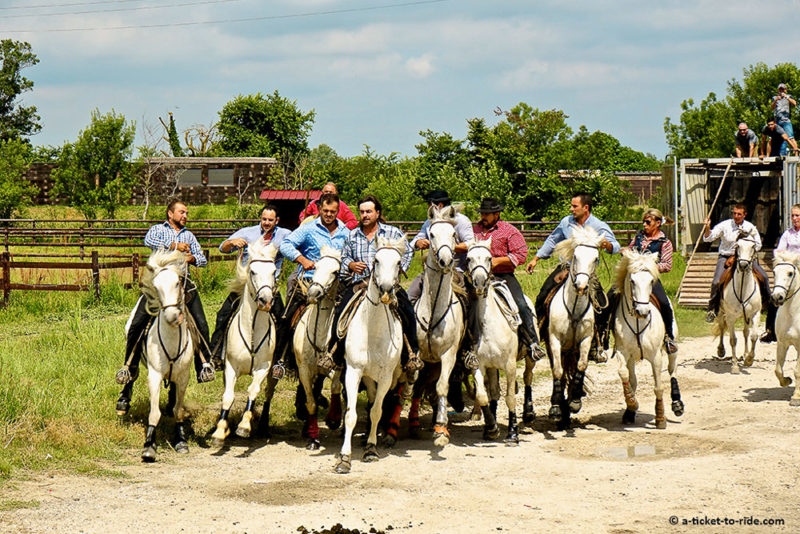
(16, 120)
(15, 190)
(708, 130)
(263, 126)
(95, 172)
(174, 141)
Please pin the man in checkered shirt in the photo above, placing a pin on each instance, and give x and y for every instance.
(170, 235)
(358, 256)
(509, 250)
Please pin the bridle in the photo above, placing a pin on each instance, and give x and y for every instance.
(472, 270)
(639, 329)
(324, 288)
(257, 291)
(574, 275)
(796, 271)
(436, 251)
(372, 274)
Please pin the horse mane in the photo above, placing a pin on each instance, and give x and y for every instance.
(173, 260)
(398, 244)
(258, 250)
(328, 250)
(581, 235)
(786, 256)
(634, 262)
(480, 243)
(445, 214)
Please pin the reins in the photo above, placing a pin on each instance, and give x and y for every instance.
(797, 271)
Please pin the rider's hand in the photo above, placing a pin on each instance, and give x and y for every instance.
(422, 244)
(183, 247)
(238, 242)
(357, 267)
(307, 264)
(729, 261)
(531, 264)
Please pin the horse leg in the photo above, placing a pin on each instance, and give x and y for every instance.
(371, 450)
(223, 430)
(528, 413)
(441, 436)
(750, 355)
(795, 400)
(154, 385)
(675, 392)
(169, 409)
(310, 428)
(512, 438)
(396, 407)
(656, 364)
(556, 399)
(180, 443)
(351, 380)
(334, 417)
(263, 421)
(734, 360)
(629, 417)
(576, 391)
(245, 424)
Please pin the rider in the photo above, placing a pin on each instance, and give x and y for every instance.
(728, 231)
(304, 246)
(509, 250)
(650, 239)
(357, 258)
(269, 231)
(464, 234)
(344, 214)
(170, 235)
(581, 208)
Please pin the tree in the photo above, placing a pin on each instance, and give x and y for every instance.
(95, 172)
(707, 130)
(263, 126)
(15, 190)
(16, 120)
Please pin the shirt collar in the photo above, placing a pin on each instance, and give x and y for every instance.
(168, 225)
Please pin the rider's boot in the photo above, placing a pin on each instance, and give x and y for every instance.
(713, 304)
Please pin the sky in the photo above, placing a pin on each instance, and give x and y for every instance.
(377, 72)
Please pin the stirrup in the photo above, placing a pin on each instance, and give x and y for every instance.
(278, 370)
(711, 316)
(325, 362)
(471, 360)
(536, 352)
(206, 374)
(217, 362)
(670, 345)
(414, 363)
(125, 376)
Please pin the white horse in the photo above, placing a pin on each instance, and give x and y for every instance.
(311, 336)
(497, 345)
(571, 323)
(786, 284)
(440, 317)
(250, 338)
(372, 347)
(169, 344)
(740, 298)
(639, 334)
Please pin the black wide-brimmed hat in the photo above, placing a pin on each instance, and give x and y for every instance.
(490, 205)
(438, 196)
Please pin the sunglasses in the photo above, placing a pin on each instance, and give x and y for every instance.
(647, 221)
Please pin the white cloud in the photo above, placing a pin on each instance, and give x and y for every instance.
(420, 67)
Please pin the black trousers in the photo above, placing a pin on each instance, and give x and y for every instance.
(610, 311)
(601, 316)
(226, 312)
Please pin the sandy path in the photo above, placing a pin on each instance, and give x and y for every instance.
(733, 455)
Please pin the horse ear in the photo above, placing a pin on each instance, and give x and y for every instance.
(471, 243)
(449, 212)
(488, 242)
(432, 211)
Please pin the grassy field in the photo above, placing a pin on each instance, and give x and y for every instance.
(60, 352)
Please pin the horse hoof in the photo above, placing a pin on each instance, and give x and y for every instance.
(123, 405)
(748, 360)
(149, 454)
(629, 417)
(313, 445)
(414, 431)
(441, 437)
(182, 447)
(735, 370)
(389, 441)
(370, 455)
(243, 432)
(511, 439)
(333, 424)
(491, 433)
(528, 415)
(661, 424)
(575, 405)
(677, 407)
(794, 402)
(555, 414)
(343, 465)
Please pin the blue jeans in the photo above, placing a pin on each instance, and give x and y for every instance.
(787, 127)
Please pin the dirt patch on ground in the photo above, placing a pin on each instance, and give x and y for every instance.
(731, 457)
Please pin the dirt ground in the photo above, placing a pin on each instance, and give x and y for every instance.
(729, 461)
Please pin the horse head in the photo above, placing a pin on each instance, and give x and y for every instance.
(637, 274)
(745, 253)
(386, 267)
(326, 273)
(442, 235)
(582, 251)
(479, 264)
(161, 284)
(261, 273)
(785, 272)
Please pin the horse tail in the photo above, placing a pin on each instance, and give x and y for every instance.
(718, 327)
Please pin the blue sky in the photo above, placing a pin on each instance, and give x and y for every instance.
(377, 72)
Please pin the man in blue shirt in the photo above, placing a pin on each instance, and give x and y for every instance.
(269, 231)
(581, 208)
(170, 235)
(304, 246)
(358, 256)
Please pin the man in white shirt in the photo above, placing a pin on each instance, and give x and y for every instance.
(728, 232)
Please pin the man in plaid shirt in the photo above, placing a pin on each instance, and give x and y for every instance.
(358, 256)
(509, 250)
(170, 235)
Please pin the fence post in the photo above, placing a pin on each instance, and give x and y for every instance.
(96, 274)
(134, 269)
(82, 243)
(5, 259)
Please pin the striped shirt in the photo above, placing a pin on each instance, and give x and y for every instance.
(359, 248)
(506, 241)
(307, 240)
(464, 234)
(162, 236)
(665, 254)
(251, 234)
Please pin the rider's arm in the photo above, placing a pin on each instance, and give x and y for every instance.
(756, 237)
(665, 265)
(517, 249)
(230, 244)
(422, 234)
(290, 246)
(555, 237)
(714, 234)
(608, 235)
(196, 251)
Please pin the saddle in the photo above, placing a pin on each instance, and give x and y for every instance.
(506, 303)
(559, 280)
(727, 275)
(349, 310)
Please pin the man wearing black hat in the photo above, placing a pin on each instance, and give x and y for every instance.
(509, 251)
(463, 226)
